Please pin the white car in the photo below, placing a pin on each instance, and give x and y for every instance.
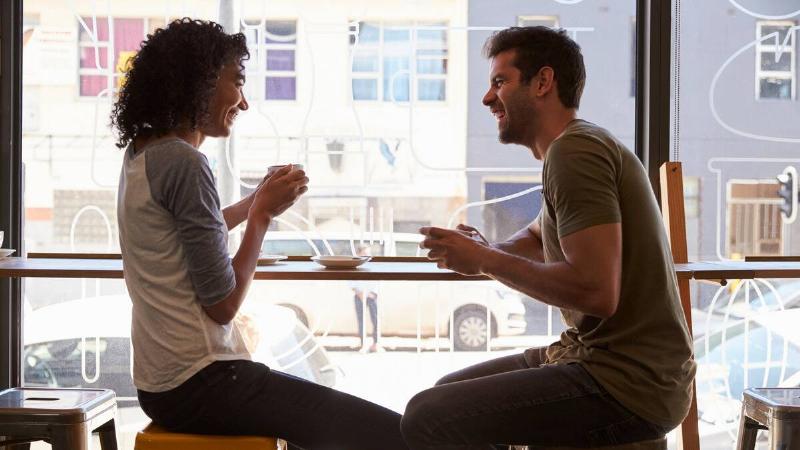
(86, 343)
(474, 309)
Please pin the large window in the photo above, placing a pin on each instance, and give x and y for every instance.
(381, 102)
(733, 128)
(396, 61)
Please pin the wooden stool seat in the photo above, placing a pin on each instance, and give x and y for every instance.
(654, 444)
(65, 418)
(154, 437)
(773, 409)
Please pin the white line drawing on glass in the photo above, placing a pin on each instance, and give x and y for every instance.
(712, 89)
(718, 172)
(712, 373)
(83, 288)
(762, 16)
(568, 2)
(455, 213)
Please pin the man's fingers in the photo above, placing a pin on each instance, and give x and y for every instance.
(431, 243)
(435, 254)
(463, 227)
(436, 232)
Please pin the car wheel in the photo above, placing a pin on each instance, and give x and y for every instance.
(470, 329)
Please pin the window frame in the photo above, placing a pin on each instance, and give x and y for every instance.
(414, 77)
(762, 49)
(259, 51)
(523, 21)
(110, 73)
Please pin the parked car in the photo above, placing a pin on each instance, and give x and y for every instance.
(86, 343)
(474, 309)
(760, 350)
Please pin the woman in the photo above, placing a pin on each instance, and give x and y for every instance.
(191, 367)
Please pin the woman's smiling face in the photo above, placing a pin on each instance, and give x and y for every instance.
(226, 102)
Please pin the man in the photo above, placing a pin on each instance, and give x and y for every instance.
(622, 370)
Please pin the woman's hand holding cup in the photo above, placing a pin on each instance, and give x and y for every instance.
(281, 189)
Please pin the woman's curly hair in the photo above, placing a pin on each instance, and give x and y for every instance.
(172, 78)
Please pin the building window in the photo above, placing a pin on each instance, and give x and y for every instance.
(754, 219)
(775, 60)
(105, 47)
(386, 55)
(535, 21)
(503, 218)
(273, 50)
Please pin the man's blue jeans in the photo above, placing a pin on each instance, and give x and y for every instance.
(515, 401)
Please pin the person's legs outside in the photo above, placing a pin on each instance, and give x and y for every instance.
(372, 306)
(546, 406)
(359, 304)
(247, 398)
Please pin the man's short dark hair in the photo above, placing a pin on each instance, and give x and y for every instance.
(538, 47)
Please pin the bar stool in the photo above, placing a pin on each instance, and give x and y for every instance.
(773, 409)
(154, 437)
(653, 444)
(65, 418)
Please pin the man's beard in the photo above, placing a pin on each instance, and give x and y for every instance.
(514, 131)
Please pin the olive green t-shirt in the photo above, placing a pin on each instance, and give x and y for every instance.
(642, 355)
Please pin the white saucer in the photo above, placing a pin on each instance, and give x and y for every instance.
(5, 252)
(265, 260)
(340, 261)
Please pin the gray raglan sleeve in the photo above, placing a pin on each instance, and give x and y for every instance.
(180, 180)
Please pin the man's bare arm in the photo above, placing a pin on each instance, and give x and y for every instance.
(588, 280)
(526, 243)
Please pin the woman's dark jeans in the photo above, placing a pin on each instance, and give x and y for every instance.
(515, 401)
(247, 398)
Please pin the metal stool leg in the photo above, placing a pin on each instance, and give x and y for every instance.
(748, 430)
(72, 437)
(784, 434)
(108, 436)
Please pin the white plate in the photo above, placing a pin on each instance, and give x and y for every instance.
(264, 260)
(6, 251)
(340, 262)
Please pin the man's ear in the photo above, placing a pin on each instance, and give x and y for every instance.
(544, 81)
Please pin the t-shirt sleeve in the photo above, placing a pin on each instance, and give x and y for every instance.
(581, 181)
(181, 181)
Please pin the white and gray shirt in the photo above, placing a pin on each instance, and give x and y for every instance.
(175, 260)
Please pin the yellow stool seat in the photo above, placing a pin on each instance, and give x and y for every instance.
(154, 437)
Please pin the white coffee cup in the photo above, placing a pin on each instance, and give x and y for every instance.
(273, 169)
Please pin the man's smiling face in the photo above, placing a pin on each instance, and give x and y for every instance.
(509, 100)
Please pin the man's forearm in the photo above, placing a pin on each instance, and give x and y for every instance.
(557, 284)
(523, 243)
